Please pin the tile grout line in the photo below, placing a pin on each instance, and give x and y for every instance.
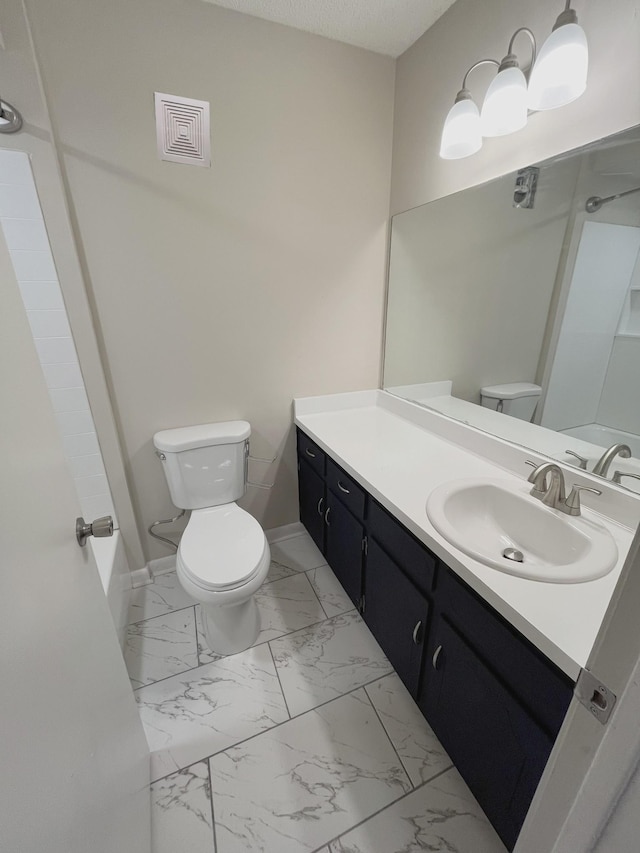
(384, 729)
(275, 667)
(272, 728)
(384, 808)
(213, 815)
(225, 657)
(315, 592)
(157, 616)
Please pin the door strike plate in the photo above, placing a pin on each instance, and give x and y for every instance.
(595, 696)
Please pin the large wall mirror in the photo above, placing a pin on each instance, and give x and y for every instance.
(532, 279)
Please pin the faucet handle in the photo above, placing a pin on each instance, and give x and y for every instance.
(581, 459)
(573, 501)
(618, 475)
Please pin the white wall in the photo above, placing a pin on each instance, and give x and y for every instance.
(223, 293)
(430, 73)
(28, 243)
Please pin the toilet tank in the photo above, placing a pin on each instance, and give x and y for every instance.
(518, 399)
(205, 465)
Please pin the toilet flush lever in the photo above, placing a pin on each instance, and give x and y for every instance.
(99, 528)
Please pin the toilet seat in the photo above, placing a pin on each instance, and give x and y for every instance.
(222, 548)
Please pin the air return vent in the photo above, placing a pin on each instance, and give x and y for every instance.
(182, 130)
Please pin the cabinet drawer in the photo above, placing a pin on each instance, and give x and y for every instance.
(408, 553)
(530, 676)
(345, 488)
(310, 451)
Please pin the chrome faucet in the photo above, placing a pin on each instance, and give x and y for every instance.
(549, 487)
(548, 484)
(601, 468)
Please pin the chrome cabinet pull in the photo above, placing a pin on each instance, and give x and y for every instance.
(342, 488)
(416, 632)
(320, 502)
(310, 453)
(326, 516)
(436, 656)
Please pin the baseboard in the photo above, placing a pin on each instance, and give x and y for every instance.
(287, 531)
(140, 577)
(162, 566)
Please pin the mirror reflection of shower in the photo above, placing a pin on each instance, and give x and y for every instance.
(595, 202)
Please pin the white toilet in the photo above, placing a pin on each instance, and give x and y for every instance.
(518, 399)
(223, 557)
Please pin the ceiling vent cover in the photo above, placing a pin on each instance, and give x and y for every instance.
(182, 130)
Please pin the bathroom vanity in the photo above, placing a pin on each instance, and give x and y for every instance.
(490, 658)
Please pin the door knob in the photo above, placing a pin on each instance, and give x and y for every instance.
(100, 527)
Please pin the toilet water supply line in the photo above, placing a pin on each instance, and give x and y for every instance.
(174, 545)
(164, 539)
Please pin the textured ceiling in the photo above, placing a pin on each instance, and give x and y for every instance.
(384, 26)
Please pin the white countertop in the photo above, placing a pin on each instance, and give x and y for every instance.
(384, 444)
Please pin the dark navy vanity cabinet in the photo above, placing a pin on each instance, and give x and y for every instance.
(494, 700)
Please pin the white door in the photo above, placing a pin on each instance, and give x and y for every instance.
(74, 763)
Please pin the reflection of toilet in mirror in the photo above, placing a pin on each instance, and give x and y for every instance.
(518, 399)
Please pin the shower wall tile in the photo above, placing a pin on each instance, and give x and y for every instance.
(62, 375)
(19, 202)
(80, 445)
(42, 296)
(86, 466)
(15, 169)
(49, 324)
(91, 487)
(69, 399)
(75, 423)
(23, 234)
(97, 506)
(56, 351)
(33, 265)
(26, 236)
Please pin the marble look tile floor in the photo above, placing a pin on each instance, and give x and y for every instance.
(308, 741)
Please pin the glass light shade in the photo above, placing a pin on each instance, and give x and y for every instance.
(461, 134)
(505, 105)
(559, 75)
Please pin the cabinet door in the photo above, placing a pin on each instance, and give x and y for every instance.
(344, 535)
(396, 612)
(498, 748)
(312, 502)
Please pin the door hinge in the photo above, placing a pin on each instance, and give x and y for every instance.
(595, 696)
(365, 546)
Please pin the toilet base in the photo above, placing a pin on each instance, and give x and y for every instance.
(232, 628)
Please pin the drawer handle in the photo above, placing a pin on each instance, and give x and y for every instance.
(436, 656)
(417, 638)
(320, 502)
(326, 516)
(310, 453)
(342, 488)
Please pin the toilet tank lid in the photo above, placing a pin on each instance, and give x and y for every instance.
(511, 390)
(202, 435)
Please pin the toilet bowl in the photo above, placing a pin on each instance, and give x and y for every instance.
(223, 557)
(222, 560)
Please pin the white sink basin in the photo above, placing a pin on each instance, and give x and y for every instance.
(483, 518)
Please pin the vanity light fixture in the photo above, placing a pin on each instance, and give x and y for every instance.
(560, 73)
(462, 134)
(505, 105)
(557, 76)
